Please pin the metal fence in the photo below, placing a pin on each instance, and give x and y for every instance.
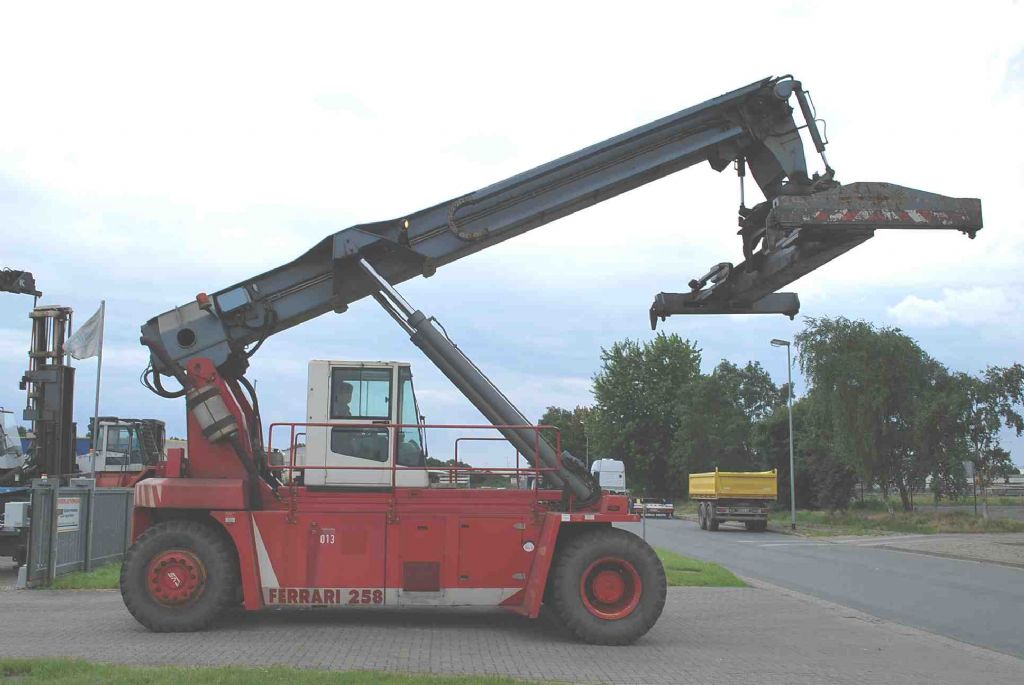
(76, 528)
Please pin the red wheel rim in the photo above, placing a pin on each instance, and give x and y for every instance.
(176, 577)
(611, 588)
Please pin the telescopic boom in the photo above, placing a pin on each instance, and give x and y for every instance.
(804, 222)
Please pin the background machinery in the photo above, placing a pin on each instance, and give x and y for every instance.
(744, 496)
(12, 458)
(49, 382)
(18, 282)
(360, 524)
(11, 454)
(610, 474)
(123, 450)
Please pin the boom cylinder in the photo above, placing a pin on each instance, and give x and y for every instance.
(567, 473)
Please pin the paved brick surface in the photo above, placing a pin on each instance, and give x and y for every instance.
(707, 635)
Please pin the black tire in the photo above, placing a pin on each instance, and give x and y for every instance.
(192, 548)
(702, 515)
(585, 553)
(712, 521)
(750, 525)
(761, 526)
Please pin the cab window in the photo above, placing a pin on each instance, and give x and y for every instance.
(124, 443)
(410, 446)
(361, 393)
(362, 443)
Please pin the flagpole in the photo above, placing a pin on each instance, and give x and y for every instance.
(99, 367)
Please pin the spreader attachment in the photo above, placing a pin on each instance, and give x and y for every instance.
(801, 233)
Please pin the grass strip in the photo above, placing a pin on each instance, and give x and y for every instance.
(78, 672)
(854, 522)
(871, 517)
(686, 572)
(103, 578)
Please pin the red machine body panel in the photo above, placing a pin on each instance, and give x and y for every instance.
(336, 553)
(417, 547)
(341, 547)
(190, 493)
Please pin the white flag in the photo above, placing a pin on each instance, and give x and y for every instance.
(87, 340)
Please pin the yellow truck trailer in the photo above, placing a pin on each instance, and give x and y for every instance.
(734, 496)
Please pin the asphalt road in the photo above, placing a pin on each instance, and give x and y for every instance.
(978, 603)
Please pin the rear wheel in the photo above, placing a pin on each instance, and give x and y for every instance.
(179, 576)
(702, 515)
(607, 586)
(712, 521)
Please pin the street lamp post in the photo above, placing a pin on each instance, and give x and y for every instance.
(789, 405)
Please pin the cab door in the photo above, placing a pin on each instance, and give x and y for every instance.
(360, 404)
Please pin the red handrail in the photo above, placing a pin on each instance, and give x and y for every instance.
(292, 467)
(292, 425)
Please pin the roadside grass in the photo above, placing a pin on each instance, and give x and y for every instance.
(878, 521)
(871, 517)
(79, 672)
(686, 506)
(927, 500)
(686, 572)
(681, 571)
(103, 578)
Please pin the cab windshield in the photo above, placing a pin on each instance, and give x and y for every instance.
(410, 446)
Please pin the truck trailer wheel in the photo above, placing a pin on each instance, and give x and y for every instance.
(712, 521)
(179, 576)
(607, 586)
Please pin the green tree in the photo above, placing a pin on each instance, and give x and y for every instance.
(638, 392)
(993, 401)
(750, 388)
(868, 383)
(572, 426)
(940, 432)
(717, 416)
(822, 480)
(1000, 465)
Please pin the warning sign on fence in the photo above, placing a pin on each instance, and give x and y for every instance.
(68, 510)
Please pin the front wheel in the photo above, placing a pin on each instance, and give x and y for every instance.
(179, 576)
(608, 586)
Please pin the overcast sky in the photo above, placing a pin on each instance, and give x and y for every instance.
(149, 155)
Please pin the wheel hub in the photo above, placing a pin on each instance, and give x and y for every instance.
(176, 577)
(610, 588)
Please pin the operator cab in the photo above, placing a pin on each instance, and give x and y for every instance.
(11, 455)
(124, 445)
(360, 400)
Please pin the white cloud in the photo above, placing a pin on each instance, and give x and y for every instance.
(156, 154)
(978, 305)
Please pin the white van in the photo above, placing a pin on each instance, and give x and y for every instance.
(611, 474)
